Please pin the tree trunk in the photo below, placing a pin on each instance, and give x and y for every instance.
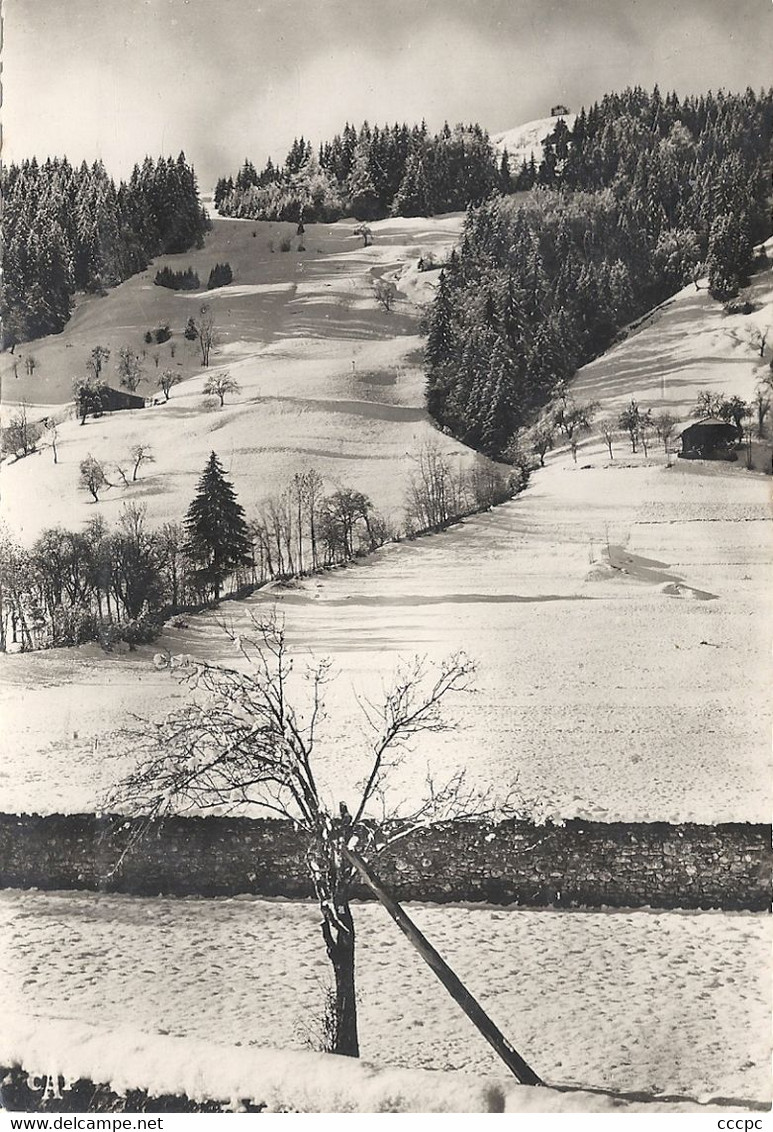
(338, 933)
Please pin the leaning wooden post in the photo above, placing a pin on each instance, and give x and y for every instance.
(512, 1059)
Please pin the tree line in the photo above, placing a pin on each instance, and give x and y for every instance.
(118, 584)
(369, 173)
(71, 228)
(541, 284)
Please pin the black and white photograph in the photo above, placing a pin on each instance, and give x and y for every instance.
(386, 618)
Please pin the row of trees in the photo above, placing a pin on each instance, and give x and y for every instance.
(565, 420)
(541, 285)
(117, 584)
(735, 410)
(220, 275)
(370, 172)
(186, 280)
(69, 229)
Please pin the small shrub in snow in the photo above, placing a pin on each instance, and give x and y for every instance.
(739, 306)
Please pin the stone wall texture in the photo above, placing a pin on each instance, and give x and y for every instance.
(579, 863)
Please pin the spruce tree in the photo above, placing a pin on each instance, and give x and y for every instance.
(217, 538)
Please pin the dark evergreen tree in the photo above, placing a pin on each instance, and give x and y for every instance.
(72, 229)
(218, 541)
(728, 256)
(641, 192)
(220, 276)
(369, 173)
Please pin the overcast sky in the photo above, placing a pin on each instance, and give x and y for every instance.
(225, 79)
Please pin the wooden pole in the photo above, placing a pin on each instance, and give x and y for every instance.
(512, 1059)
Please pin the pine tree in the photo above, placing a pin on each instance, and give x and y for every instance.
(440, 338)
(728, 256)
(217, 538)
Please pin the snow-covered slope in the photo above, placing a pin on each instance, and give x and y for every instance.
(328, 379)
(619, 611)
(524, 142)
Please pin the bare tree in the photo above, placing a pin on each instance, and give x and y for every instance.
(735, 409)
(434, 489)
(218, 384)
(172, 560)
(364, 230)
(21, 435)
(243, 741)
(88, 397)
(300, 491)
(130, 370)
(572, 416)
(708, 404)
(52, 432)
(539, 439)
(340, 513)
(16, 571)
(96, 361)
(121, 470)
(608, 429)
(92, 477)
(206, 333)
(141, 454)
(312, 488)
(485, 485)
(385, 293)
(630, 419)
(167, 379)
(757, 338)
(665, 424)
(761, 406)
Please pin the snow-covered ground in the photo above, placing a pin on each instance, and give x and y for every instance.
(685, 345)
(328, 379)
(620, 617)
(524, 142)
(659, 1003)
(610, 687)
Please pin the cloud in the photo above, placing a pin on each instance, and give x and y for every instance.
(222, 79)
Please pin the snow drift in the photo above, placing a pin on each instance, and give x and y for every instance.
(281, 1080)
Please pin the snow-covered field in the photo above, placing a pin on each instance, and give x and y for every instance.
(659, 1003)
(620, 617)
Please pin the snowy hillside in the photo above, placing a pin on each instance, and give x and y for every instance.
(524, 142)
(328, 379)
(619, 612)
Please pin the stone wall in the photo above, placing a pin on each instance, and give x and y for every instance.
(579, 863)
